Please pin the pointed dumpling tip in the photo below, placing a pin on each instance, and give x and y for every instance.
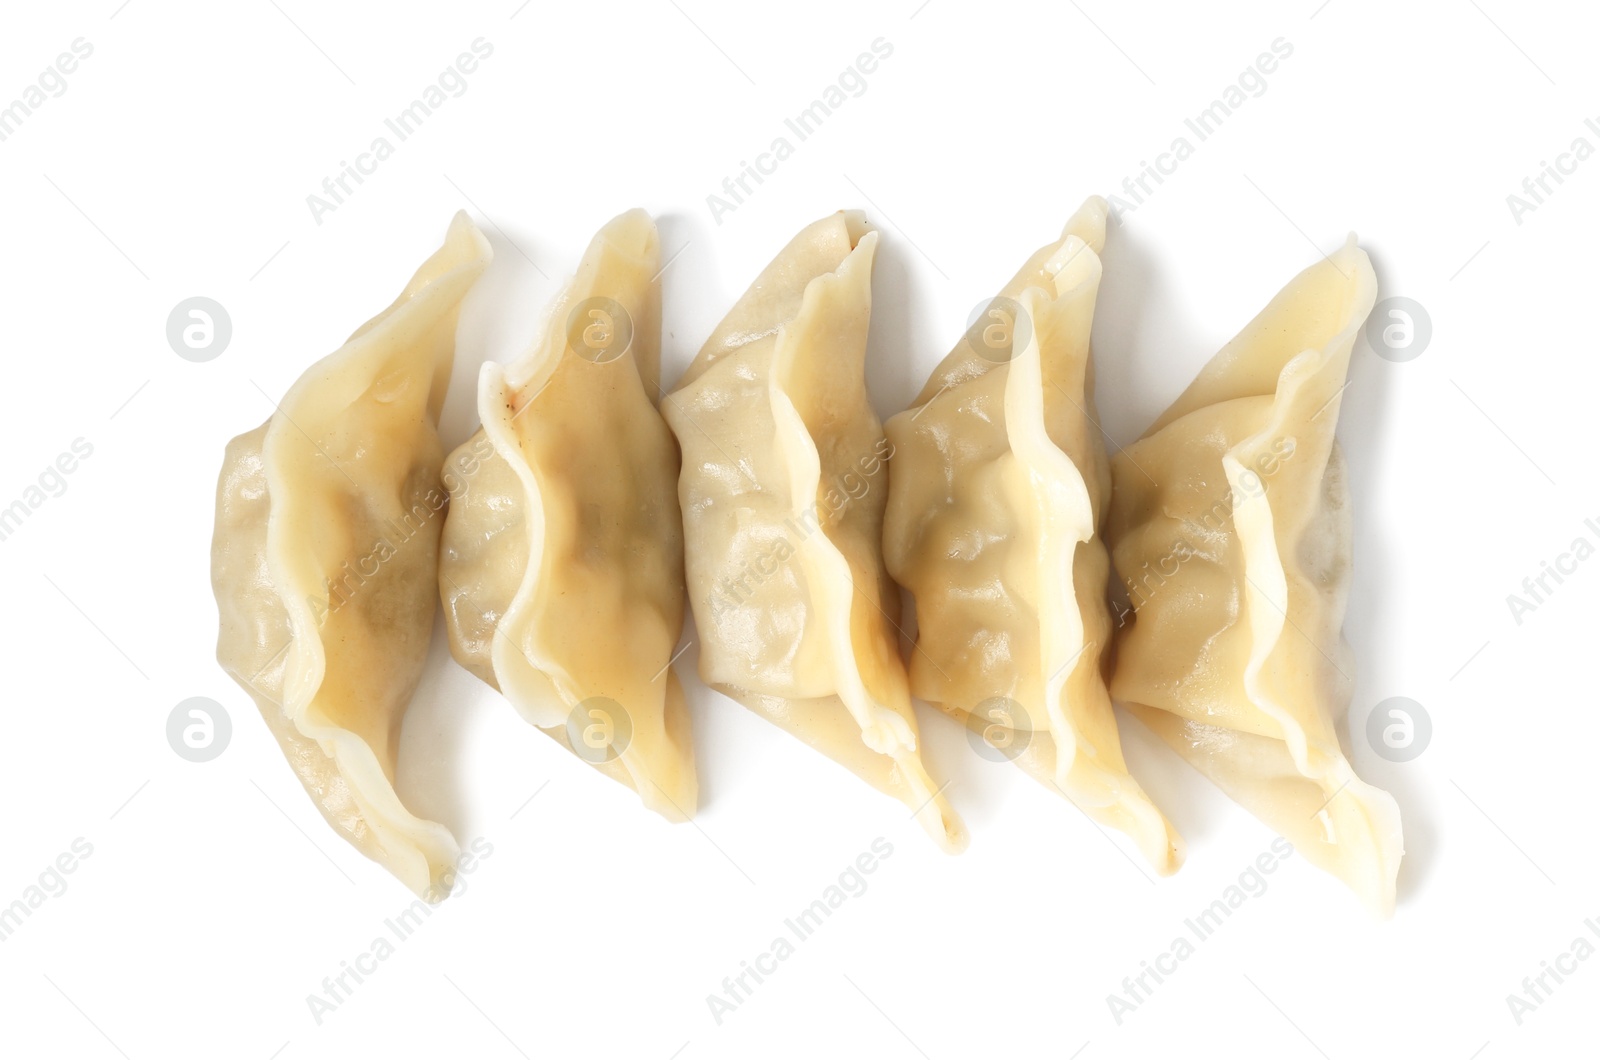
(863, 237)
(945, 827)
(1095, 206)
(464, 234)
(460, 224)
(1088, 223)
(867, 244)
(631, 224)
(1350, 257)
(956, 837)
(856, 225)
(632, 232)
(1356, 276)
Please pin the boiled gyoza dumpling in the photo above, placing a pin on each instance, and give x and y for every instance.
(325, 556)
(562, 561)
(783, 490)
(1230, 526)
(996, 490)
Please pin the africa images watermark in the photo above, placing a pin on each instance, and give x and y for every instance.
(851, 883)
(599, 330)
(1252, 883)
(396, 534)
(1536, 588)
(51, 84)
(852, 80)
(52, 883)
(1251, 84)
(1537, 989)
(450, 84)
(338, 988)
(1144, 583)
(51, 482)
(737, 590)
(1538, 188)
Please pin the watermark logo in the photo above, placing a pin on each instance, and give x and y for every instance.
(1140, 987)
(1143, 584)
(340, 987)
(354, 575)
(52, 482)
(851, 883)
(1537, 188)
(199, 729)
(999, 729)
(1399, 729)
(51, 883)
(1538, 588)
(450, 84)
(1399, 329)
(737, 590)
(599, 730)
(998, 329)
(850, 84)
(599, 330)
(1537, 989)
(50, 84)
(199, 329)
(1251, 83)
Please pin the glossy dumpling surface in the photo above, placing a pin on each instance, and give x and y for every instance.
(1230, 528)
(324, 561)
(997, 487)
(562, 561)
(783, 489)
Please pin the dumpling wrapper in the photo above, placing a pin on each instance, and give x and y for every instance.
(1230, 526)
(562, 560)
(324, 561)
(997, 487)
(783, 490)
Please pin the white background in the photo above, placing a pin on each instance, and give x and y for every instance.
(178, 162)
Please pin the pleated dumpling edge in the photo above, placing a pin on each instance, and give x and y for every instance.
(327, 525)
(997, 487)
(1230, 526)
(782, 491)
(561, 567)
